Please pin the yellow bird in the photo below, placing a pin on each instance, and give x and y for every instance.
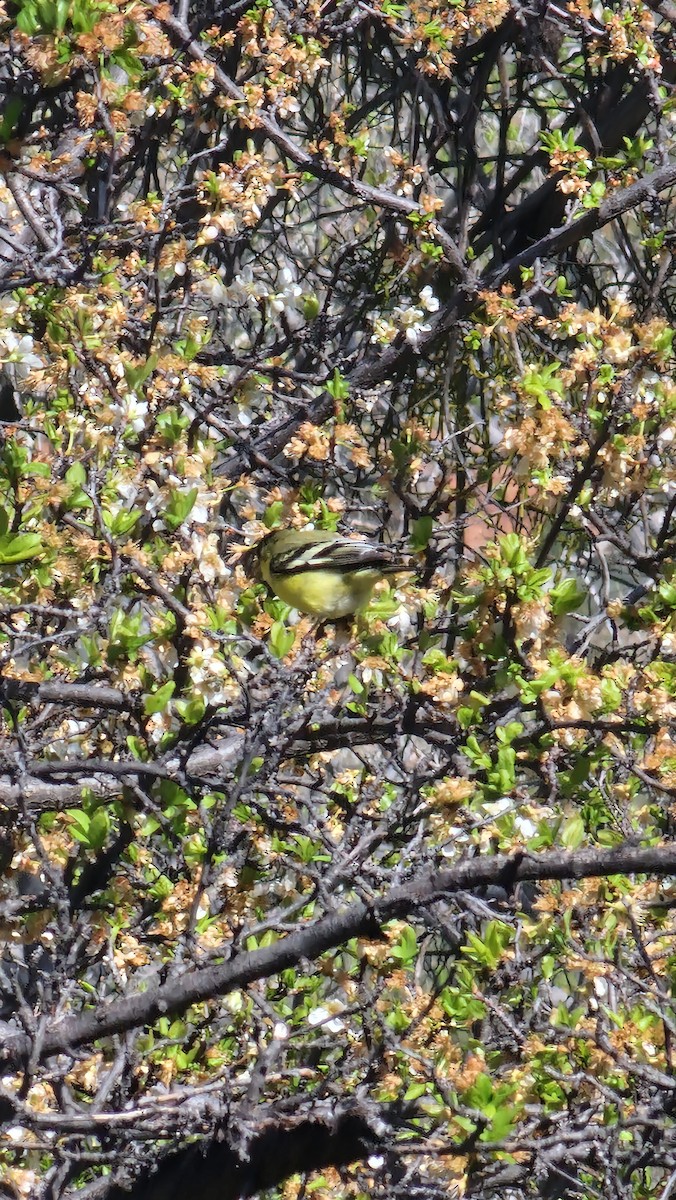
(323, 573)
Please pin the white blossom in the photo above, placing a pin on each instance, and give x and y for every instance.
(20, 352)
(412, 321)
(132, 412)
(321, 1016)
(428, 300)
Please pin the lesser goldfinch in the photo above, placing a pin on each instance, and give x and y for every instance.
(323, 573)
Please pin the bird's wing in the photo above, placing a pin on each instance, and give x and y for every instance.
(337, 555)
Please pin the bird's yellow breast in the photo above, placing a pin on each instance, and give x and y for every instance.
(325, 593)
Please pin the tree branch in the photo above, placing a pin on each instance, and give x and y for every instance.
(354, 920)
(281, 1147)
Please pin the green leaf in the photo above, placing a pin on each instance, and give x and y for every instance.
(337, 386)
(480, 1094)
(566, 597)
(406, 949)
(475, 754)
(421, 532)
(667, 592)
(137, 748)
(281, 639)
(310, 306)
(79, 821)
(572, 833)
(191, 711)
(125, 636)
(161, 889)
(158, 700)
(99, 827)
(76, 475)
(189, 347)
(273, 514)
(120, 523)
(488, 950)
(40, 470)
(507, 733)
(511, 548)
(128, 61)
(136, 376)
(20, 547)
(178, 506)
(171, 424)
(10, 118)
(27, 21)
(501, 1125)
(611, 695)
(504, 777)
(440, 662)
(61, 15)
(544, 383)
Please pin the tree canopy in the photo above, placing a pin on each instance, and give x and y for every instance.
(289, 908)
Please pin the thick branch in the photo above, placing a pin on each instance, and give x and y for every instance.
(354, 920)
(80, 695)
(280, 1147)
(581, 227)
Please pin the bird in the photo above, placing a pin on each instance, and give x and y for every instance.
(324, 574)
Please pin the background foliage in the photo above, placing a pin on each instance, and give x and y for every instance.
(299, 910)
